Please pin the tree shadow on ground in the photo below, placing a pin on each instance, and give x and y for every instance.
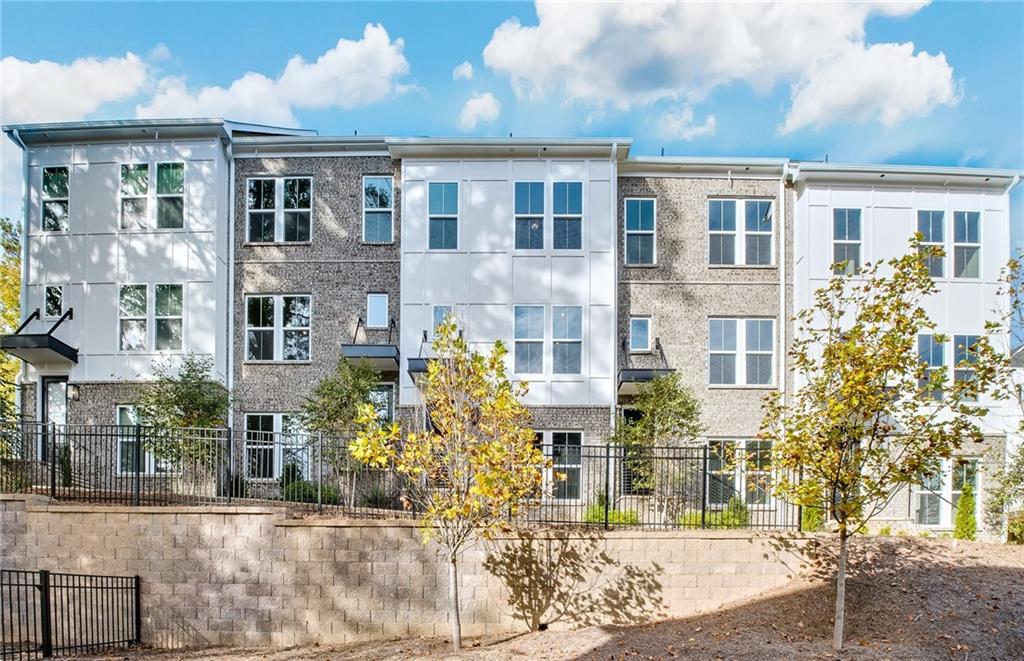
(561, 577)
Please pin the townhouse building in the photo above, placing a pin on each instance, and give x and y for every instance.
(276, 252)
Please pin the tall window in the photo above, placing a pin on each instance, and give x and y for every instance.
(134, 196)
(846, 236)
(640, 231)
(723, 480)
(529, 212)
(56, 199)
(566, 455)
(378, 209)
(382, 396)
(376, 310)
(274, 441)
(722, 231)
(932, 353)
(752, 238)
(169, 306)
(444, 216)
(739, 469)
(279, 209)
(54, 300)
(742, 351)
(939, 488)
(965, 354)
(133, 312)
(930, 226)
(170, 195)
(966, 244)
(639, 334)
(567, 336)
(127, 460)
(529, 339)
(439, 315)
(277, 327)
(758, 232)
(568, 215)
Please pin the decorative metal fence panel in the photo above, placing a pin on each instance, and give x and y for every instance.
(44, 614)
(721, 485)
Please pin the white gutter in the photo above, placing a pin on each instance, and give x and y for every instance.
(783, 316)
(23, 294)
(230, 346)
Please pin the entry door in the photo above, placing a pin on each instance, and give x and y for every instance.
(55, 408)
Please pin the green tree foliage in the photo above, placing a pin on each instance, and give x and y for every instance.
(867, 423)
(10, 312)
(332, 406)
(965, 525)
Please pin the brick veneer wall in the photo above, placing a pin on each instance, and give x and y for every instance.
(249, 575)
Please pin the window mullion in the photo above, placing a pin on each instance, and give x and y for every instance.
(278, 327)
(279, 210)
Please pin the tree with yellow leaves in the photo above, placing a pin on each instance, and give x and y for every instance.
(871, 417)
(10, 310)
(476, 466)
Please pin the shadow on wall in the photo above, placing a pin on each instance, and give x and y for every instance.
(552, 578)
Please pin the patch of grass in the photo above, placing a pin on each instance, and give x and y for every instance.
(735, 515)
(1015, 529)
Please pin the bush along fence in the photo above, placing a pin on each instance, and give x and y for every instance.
(44, 614)
(721, 485)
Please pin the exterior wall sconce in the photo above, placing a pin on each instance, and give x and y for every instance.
(74, 392)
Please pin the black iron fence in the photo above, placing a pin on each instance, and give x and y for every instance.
(45, 614)
(724, 484)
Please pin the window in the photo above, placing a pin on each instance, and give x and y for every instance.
(382, 396)
(932, 354)
(529, 339)
(846, 241)
(756, 471)
(965, 353)
(376, 310)
(639, 334)
(966, 244)
(277, 327)
(929, 225)
(134, 196)
(753, 236)
(279, 210)
(529, 214)
(56, 199)
(638, 462)
(741, 351)
(274, 441)
(567, 335)
(170, 195)
(54, 300)
(568, 215)
(168, 317)
(378, 209)
(739, 469)
(566, 455)
(640, 231)
(440, 314)
(127, 446)
(133, 311)
(443, 216)
(939, 488)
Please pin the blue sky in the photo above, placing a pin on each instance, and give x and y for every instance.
(797, 81)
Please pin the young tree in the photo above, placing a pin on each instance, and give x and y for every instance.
(871, 418)
(332, 406)
(476, 467)
(10, 311)
(668, 414)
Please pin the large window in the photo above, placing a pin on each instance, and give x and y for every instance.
(567, 220)
(565, 452)
(939, 488)
(846, 237)
(134, 196)
(279, 209)
(966, 244)
(965, 354)
(748, 242)
(56, 199)
(54, 301)
(170, 195)
(277, 327)
(168, 317)
(169, 312)
(443, 216)
(133, 313)
(639, 334)
(641, 237)
(132, 455)
(529, 213)
(739, 469)
(378, 209)
(274, 441)
(529, 339)
(567, 338)
(376, 310)
(930, 226)
(932, 353)
(139, 194)
(741, 351)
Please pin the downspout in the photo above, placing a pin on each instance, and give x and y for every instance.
(230, 346)
(783, 316)
(614, 162)
(23, 294)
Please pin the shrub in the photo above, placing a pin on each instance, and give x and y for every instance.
(735, 515)
(965, 525)
(812, 519)
(304, 491)
(377, 497)
(595, 514)
(1015, 529)
(290, 473)
(885, 531)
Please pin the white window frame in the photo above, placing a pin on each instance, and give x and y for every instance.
(279, 209)
(548, 448)
(150, 465)
(567, 340)
(278, 328)
(121, 318)
(387, 315)
(159, 317)
(46, 301)
(946, 493)
(568, 216)
(741, 353)
(543, 216)
(740, 472)
(943, 367)
(963, 339)
(650, 341)
(653, 233)
(44, 199)
(151, 197)
(277, 444)
(847, 242)
(390, 210)
(157, 196)
(739, 234)
(445, 216)
(929, 241)
(966, 244)
(530, 340)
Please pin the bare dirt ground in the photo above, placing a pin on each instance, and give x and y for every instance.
(907, 598)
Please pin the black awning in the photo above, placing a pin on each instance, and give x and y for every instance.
(39, 349)
(382, 357)
(630, 379)
(417, 368)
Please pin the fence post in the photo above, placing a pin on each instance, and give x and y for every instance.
(319, 471)
(137, 639)
(231, 464)
(52, 456)
(704, 489)
(137, 460)
(45, 625)
(607, 480)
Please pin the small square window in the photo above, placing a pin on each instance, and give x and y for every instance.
(639, 334)
(376, 310)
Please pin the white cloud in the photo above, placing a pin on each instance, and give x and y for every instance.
(354, 73)
(479, 108)
(634, 54)
(463, 71)
(159, 53)
(678, 124)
